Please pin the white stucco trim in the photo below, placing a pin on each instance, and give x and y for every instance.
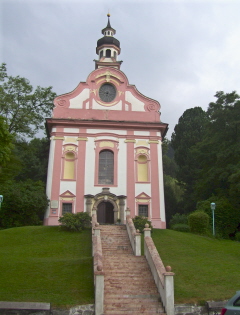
(50, 174)
(141, 133)
(109, 131)
(117, 106)
(77, 101)
(161, 183)
(122, 168)
(137, 105)
(71, 130)
(68, 185)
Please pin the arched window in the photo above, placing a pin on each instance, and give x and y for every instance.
(101, 53)
(69, 166)
(115, 55)
(106, 168)
(108, 53)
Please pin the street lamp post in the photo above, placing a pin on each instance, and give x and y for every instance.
(1, 200)
(213, 206)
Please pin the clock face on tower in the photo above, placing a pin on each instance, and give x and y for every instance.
(107, 92)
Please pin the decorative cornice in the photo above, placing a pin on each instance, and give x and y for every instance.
(108, 74)
(130, 140)
(107, 104)
(58, 138)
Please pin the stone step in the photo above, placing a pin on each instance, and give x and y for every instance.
(126, 312)
(139, 306)
(129, 287)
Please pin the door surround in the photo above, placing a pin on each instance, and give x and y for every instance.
(105, 195)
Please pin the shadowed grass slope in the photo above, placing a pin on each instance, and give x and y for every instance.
(45, 264)
(205, 268)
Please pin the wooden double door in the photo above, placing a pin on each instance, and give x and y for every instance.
(105, 213)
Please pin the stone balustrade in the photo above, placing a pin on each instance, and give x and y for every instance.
(94, 219)
(163, 277)
(134, 235)
(98, 267)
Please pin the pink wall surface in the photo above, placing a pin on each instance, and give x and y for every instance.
(105, 120)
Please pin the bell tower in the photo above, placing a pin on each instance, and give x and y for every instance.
(108, 48)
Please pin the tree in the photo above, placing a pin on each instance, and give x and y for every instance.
(172, 190)
(6, 145)
(169, 164)
(23, 108)
(173, 193)
(24, 203)
(33, 157)
(218, 153)
(187, 133)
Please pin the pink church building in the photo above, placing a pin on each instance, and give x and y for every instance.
(105, 150)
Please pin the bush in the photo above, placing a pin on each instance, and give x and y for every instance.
(226, 216)
(24, 203)
(198, 222)
(237, 236)
(181, 227)
(139, 223)
(75, 221)
(178, 219)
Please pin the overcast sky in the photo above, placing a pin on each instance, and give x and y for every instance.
(177, 52)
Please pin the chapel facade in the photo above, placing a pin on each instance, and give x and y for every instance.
(105, 150)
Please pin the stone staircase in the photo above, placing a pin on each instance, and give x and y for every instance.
(129, 287)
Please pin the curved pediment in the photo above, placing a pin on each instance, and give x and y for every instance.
(106, 90)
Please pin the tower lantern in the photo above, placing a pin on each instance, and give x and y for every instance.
(108, 48)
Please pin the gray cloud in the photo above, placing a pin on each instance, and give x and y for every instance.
(178, 52)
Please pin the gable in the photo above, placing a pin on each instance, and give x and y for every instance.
(92, 100)
(67, 194)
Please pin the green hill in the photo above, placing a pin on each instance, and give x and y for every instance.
(47, 265)
(43, 264)
(205, 268)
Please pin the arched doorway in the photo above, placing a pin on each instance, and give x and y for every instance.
(105, 213)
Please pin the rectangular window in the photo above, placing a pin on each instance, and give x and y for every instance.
(66, 207)
(143, 210)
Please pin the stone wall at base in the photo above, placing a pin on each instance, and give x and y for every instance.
(24, 308)
(87, 309)
(189, 309)
(210, 308)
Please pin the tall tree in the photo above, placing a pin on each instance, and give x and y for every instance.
(172, 191)
(218, 153)
(23, 107)
(187, 133)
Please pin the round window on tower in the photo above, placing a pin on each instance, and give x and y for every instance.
(107, 92)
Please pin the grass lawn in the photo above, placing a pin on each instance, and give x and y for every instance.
(43, 264)
(205, 268)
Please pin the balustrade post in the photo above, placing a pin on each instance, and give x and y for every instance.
(99, 291)
(127, 212)
(169, 291)
(137, 241)
(97, 229)
(147, 232)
